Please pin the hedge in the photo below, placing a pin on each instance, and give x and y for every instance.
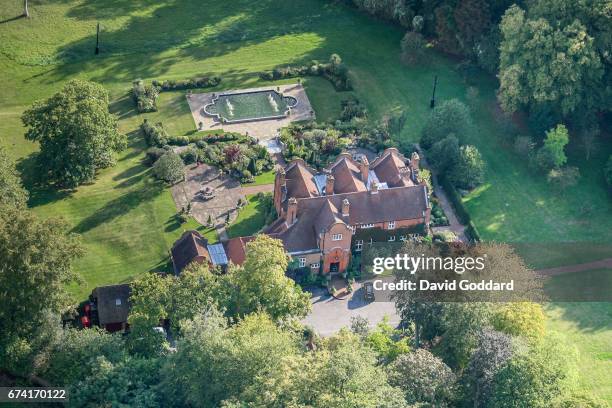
(334, 71)
(194, 83)
(382, 235)
(460, 210)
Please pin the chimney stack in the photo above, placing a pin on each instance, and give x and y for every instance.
(364, 167)
(345, 207)
(329, 185)
(291, 211)
(281, 176)
(414, 161)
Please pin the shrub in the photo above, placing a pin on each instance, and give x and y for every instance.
(145, 96)
(153, 154)
(169, 168)
(352, 108)
(189, 155)
(335, 71)
(178, 140)
(444, 154)
(414, 48)
(450, 116)
(155, 135)
(468, 171)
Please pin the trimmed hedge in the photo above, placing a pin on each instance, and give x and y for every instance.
(382, 235)
(460, 210)
(194, 83)
(334, 71)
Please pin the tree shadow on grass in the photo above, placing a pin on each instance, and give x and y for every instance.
(589, 317)
(172, 224)
(41, 193)
(149, 190)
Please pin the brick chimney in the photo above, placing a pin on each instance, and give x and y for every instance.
(291, 211)
(345, 207)
(374, 188)
(280, 188)
(364, 167)
(414, 161)
(329, 185)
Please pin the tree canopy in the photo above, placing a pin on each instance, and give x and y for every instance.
(76, 132)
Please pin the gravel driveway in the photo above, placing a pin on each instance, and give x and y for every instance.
(329, 315)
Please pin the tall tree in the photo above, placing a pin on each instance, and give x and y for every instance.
(76, 132)
(423, 377)
(536, 376)
(494, 349)
(473, 20)
(11, 189)
(545, 62)
(36, 256)
(261, 284)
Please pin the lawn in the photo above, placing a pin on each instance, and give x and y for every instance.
(586, 325)
(251, 218)
(127, 220)
(267, 177)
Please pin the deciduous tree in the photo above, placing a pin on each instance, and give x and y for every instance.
(76, 133)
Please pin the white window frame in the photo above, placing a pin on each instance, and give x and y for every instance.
(391, 225)
(367, 226)
(391, 238)
(336, 237)
(314, 265)
(359, 245)
(302, 262)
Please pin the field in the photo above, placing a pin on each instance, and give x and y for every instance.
(127, 220)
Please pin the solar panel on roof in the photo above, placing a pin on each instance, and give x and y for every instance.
(217, 254)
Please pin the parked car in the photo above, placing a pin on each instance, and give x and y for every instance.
(368, 291)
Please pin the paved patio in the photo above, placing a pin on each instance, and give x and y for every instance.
(227, 194)
(261, 129)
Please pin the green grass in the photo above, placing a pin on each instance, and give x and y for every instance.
(586, 325)
(251, 218)
(126, 219)
(267, 177)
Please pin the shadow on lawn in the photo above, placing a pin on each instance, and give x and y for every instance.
(120, 206)
(215, 31)
(40, 192)
(589, 317)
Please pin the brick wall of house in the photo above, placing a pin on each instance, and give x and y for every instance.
(336, 251)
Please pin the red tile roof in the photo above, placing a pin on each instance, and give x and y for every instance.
(188, 247)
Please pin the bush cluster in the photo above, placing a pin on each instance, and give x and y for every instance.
(193, 83)
(145, 96)
(449, 124)
(169, 168)
(334, 70)
(438, 217)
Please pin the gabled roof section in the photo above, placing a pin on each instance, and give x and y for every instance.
(188, 247)
(326, 217)
(347, 175)
(390, 168)
(300, 180)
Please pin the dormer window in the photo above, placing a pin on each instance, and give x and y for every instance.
(336, 237)
(391, 225)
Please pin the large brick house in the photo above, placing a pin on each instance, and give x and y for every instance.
(324, 216)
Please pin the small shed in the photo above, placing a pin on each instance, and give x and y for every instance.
(113, 306)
